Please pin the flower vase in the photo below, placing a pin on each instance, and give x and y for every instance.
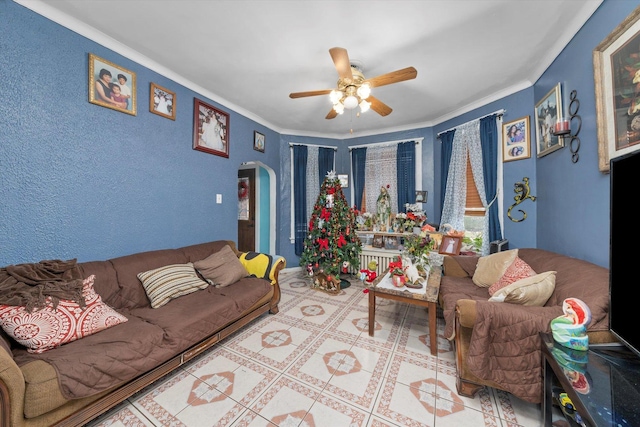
(398, 280)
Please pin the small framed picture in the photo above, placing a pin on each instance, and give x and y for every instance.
(421, 196)
(344, 181)
(548, 112)
(378, 241)
(450, 245)
(515, 140)
(111, 86)
(162, 102)
(210, 129)
(258, 141)
(391, 242)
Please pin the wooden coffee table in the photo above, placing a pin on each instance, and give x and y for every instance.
(428, 299)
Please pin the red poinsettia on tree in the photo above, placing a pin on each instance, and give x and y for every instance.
(331, 239)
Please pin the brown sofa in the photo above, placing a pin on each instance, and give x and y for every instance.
(72, 384)
(497, 344)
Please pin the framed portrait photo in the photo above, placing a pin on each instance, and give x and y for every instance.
(378, 241)
(548, 112)
(450, 245)
(111, 86)
(210, 129)
(515, 140)
(162, 102)
(258, 141)
(616, 72)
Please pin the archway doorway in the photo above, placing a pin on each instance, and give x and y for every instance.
(256, 208)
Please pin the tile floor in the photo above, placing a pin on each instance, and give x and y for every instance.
(314, 364)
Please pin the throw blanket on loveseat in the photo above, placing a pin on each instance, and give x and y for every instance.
(30, 285)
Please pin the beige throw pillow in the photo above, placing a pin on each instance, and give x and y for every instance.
(490, 268)
(171, 281)
(534, 290)
(221, 268)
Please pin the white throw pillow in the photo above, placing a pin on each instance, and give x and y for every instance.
(490, 268)
(534, 290)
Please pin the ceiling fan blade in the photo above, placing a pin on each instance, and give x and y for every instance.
(332, 114)
(379, 106)
(341, 61)
(408, 73)
(309, 93)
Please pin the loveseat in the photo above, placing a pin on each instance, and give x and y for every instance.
(497, 344)
(75, 382)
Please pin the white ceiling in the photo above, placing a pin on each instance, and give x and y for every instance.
(248, 55)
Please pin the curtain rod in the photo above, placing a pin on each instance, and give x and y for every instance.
(291, 144)
(498, 112)
(379, 144)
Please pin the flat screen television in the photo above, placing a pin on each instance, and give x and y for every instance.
(623, 306)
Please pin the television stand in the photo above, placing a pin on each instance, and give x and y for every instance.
(603, 383)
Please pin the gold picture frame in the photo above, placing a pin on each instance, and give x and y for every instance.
(111, 86)
(547, 113)
(515, 140)
(162, 101)
(616, 69)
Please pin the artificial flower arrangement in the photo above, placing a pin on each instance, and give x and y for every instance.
(415, 215)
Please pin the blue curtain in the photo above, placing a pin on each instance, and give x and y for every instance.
(325, 162)
(406, 170)
(300, 196)
(489, 143)
(358, 163)
(447, 148)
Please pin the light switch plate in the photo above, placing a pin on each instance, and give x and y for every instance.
(218, 198)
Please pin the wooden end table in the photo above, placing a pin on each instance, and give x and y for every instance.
(428, 299)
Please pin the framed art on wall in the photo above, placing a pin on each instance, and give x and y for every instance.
(515, 140)
(548, 112)
(162, 102)
(258, 141)
(111, 86)
(616, 74)
(210, 129)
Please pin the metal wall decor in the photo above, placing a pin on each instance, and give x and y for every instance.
(522, 193)
(574, 119)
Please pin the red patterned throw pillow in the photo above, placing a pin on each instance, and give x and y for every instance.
(44, 329)
(516, 271)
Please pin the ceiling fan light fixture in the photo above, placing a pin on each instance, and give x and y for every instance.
(364, 106)
(335, 96)
(350, 102)
(338, 108)
(364, 91)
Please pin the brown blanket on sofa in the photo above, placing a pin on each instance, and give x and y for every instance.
(30, 285)
(505, 343)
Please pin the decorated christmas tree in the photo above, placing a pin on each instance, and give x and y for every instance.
(331, 245)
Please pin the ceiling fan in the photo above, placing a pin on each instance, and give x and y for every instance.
(353, 89)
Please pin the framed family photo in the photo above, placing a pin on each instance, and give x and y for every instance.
(548, 112)
(258, 141)
(210, 129)
(162, 102)
(111, 86)
(616, 74)
(450, 245)
(515, 140)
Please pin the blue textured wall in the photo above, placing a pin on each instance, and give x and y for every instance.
(80, 180)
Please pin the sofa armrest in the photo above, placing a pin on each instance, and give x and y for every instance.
(451, 267)
(263, 265)
(466, 312)
(12, 389)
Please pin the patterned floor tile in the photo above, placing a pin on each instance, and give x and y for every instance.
(314, 364)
